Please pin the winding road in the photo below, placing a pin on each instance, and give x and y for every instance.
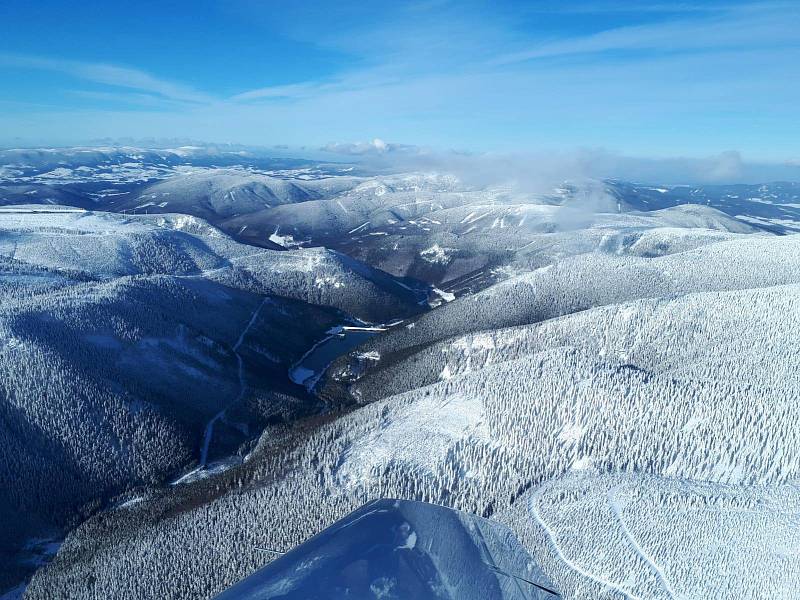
(209, 432)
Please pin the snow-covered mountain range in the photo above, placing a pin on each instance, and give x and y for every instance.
(226, 354)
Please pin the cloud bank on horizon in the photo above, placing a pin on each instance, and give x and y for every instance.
(540, 171)
(711, 79)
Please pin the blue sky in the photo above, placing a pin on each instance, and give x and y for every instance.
(642, 78)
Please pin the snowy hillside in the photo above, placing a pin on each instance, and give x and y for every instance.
(131, 347)
(224, 193)
(112, 245)
(572, 285)
(773, 206)
(664, 538)
(609, 369)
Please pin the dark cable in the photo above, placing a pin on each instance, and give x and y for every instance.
(534, 584)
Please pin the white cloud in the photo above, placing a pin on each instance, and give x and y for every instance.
(376, 147)
(541, 172)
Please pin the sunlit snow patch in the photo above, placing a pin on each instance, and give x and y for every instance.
(287, 241)
(433, 423)
(442, 297)
(436, 254)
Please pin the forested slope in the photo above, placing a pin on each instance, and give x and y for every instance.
(128, 345)
(694, 386)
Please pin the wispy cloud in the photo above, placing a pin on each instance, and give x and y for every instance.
(112, 75)
(131, 98)
(456, 46)
(576, 8)
(295, 91)
(742, 27)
